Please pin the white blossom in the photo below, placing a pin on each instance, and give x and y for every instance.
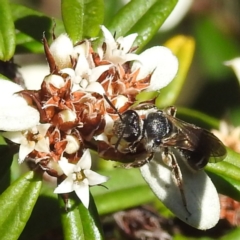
(202, 208)
(62, 50)
(79, 177)
(117, 51)
(15, 112)
(235, 65)
(161, 63)
(29, 140)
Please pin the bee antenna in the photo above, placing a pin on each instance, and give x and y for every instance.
(114, 108)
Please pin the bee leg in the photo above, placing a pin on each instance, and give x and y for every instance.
(139, 162)
(170, 159)
(171, 111)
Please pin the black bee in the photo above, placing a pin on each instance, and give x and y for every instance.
(160, 130)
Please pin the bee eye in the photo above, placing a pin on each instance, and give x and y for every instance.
(157, 141)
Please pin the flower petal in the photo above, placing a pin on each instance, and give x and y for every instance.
(95, 87)
(201, 196)
(15, 137)
(161, 63)
(43, 145)
(16, 114)
(94, 178)
(235, 65)
(42, 128)
(86, 161)
(65, 187)
(98, 71)
(62, 49)
(109, 39)
(32, 80)
(25, 149)
(127, 42)
(68, 168)
(82, 191)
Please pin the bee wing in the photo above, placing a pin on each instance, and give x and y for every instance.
(194, 139)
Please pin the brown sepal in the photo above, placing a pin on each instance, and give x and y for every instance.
(50, 59)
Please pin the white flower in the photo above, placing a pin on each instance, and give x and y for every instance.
(235, 65)
(79, 178)
(15, 112)
(30, 139)
(84, 78)
(158, 61)
(62, 50)
(161, 63)
(203, 207)
(117, 51)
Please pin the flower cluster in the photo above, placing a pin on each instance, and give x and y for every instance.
(70, 114)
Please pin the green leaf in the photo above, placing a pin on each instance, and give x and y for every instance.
(150, 23)
(142, 17)
(7, 32)
(47, 220)
(93, 17)
(183, 48)
(91, 223)
(227, 179)
(29, 36)
(79, 222)
(71, 220)
(3, 77)
(232, 235)
(128, 16)
(17, 203)
(82, 18)
(125, 188)
(198, 118)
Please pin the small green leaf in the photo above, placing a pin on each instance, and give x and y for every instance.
(183, 48)
(72, 15)
(227, 174)
(152, 20)
(7, 32)
(198, 118)
(226, 186)
(128, 16)
(232, 235)
(142, 17)
(17, 203)
(93, 17)
(71, 220)
(82, 18)
(3, 77)
(28, 36)
(43, 221)
(79, 222)
(91, 223)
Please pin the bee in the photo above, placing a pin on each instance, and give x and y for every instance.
(155, 133)
(160, 131)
